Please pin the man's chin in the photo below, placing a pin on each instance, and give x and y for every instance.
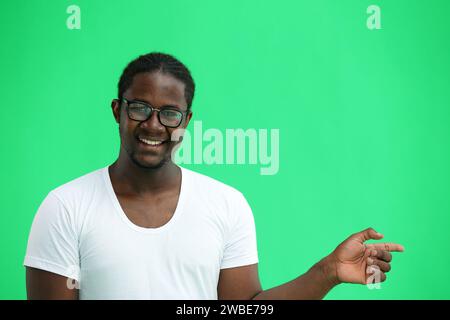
(149, 164)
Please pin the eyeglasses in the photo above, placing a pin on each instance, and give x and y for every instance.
(141, 111)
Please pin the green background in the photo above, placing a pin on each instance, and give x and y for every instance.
(368, 145)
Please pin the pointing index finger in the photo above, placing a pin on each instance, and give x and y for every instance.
(391, 247)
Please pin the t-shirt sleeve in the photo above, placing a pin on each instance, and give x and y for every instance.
(53, 242)
(240, 245)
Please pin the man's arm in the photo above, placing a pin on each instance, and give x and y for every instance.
(352, 262)
(312, 285)
(243, 283)
(43, 285)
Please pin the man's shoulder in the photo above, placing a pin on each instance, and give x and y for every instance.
(85, 184)
(208, 185)
(73, 199)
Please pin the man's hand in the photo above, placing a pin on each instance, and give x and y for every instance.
(354, 262)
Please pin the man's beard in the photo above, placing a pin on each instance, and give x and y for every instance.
(143, 165)
(135, 160)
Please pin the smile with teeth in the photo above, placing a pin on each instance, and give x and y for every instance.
(151, 142)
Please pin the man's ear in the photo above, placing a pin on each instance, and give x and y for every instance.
(188, 118)
(115, 106)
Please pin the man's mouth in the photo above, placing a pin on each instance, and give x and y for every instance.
(151, 142)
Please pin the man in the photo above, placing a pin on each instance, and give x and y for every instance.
(145, 228)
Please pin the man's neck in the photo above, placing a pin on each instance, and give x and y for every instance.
(131, 179)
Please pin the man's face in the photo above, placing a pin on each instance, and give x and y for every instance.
(159, 90)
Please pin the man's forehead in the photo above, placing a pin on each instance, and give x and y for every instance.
(157, 86)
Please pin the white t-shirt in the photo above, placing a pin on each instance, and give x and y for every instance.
(80, 231)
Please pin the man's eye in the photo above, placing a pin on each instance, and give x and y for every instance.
(137, 108)
(171, 113)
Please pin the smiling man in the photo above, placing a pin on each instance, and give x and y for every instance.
(145, 228)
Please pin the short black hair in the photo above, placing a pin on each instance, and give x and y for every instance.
(157, 61)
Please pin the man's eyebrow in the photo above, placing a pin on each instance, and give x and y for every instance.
(163, 106)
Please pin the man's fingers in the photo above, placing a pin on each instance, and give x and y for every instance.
(383, 265)
(367, 234)
(380, 254)
(386, 247)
